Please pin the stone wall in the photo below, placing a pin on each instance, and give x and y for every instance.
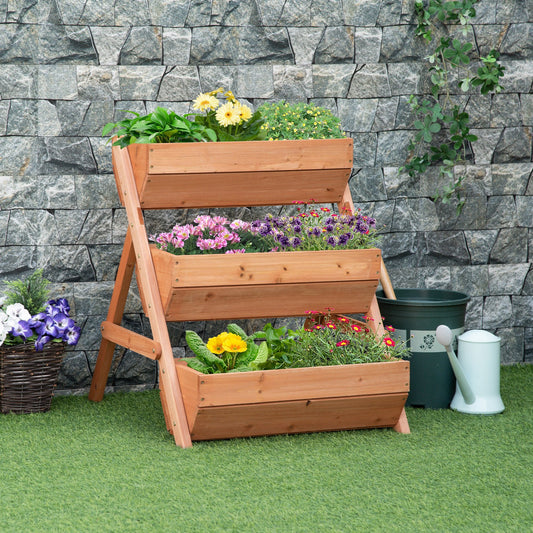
(69, 66)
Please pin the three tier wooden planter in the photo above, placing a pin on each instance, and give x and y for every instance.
(207, 287)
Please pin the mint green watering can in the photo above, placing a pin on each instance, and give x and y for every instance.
(477, 370)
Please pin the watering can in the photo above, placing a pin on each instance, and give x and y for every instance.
(477, 371)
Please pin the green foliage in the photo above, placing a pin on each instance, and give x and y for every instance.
(32, 293)
(254, 357)
(161, 126)
(436, 113)
(299, 121)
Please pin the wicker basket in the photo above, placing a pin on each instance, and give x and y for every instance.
(28, 378)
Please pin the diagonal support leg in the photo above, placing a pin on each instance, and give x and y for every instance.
(114, 315)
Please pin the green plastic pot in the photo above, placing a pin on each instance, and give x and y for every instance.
(415, 315)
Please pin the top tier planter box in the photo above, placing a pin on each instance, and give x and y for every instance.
(230, 174)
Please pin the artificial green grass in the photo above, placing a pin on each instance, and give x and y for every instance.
(112, 467)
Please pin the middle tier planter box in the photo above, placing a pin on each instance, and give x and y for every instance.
(229, 286)
(295, 400)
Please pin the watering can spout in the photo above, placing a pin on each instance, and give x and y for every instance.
(445, 337)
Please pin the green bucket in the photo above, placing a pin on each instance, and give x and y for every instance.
(415, 315)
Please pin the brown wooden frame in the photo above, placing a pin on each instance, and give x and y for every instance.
(253, 173)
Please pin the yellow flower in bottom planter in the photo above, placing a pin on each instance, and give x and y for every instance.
(234, 343)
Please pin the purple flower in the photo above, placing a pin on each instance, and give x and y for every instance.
(72, 335)
(283, 240)
(50, 327)
(330, 228)
(316, 231)
(265, 230)
(22, 329)
(41, 341)
(295, 242)
(332, 241)
(63, 322)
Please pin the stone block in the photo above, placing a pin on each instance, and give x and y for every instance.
(135, 369)
(400, 249)
(132, 13)
(327, 13)
(357, 115)
(514, 145)
(17, 262)
(361, 12)
(405, 78)
(19, 44)
(47, 120)
(526, 109)
(74, 372)
(102, 154)
(240, 45)
(4, 112)
(304, 42)
(522, 310)
(446, 248)
(480, 244)
(511, 345)
(105, 259)
(108, 42)
(26, 86)
(21, 118)
(505, 111)
(140, 82)
(393, 147)
(370, 81)
(497, 312)
(367, 44)
(295, 13)
(367, 184)
(471, 280)
(330, 81)
(337, 45)
(400, 44)
(415, 214)
(4, 218)
(66, 155)
(98, 13)
(65, 263)
(528, 345)
(235, 13)
(518, 42)
(20, 155)
(507, 279)
(510, 246)
(483, 148)
(386, 114)
(292, 83)
(501, 212)
(66, 44)
(511, 178)
(143, 46)
(176, 46)
(179, 83)
(98, 83)
(518, 75)
(472, 216)
(364, 148)
(524, 211)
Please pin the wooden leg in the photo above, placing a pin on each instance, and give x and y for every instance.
(114, 315)
(402, 426)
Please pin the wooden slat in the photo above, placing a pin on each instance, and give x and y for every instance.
(246, 156)
(297, 383)
(300, 416)
(267, 268)
(264, 301)
(269, 188)
(131, 340)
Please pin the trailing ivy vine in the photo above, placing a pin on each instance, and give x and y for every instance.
(436, 113)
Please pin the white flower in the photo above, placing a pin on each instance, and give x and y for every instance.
(18, 312)
(3, 335)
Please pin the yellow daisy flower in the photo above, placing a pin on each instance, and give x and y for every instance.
(215, 344)
(227, 115)
(229, 97)
(245, 113)
(216, 91)
(205, 102)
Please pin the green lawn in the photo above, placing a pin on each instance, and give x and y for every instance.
(112, 467)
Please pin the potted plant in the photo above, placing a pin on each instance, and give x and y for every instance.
(332, 374)
(33, 334)
(176, 164)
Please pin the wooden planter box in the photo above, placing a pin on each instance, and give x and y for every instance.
(228, 174)
(297, 400)
(228, 286)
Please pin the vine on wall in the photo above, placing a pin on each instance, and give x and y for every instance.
(436, 113)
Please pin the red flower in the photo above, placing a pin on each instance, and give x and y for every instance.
(356, 328)
(331, 325)
(389, 342)
(390, 328)
(344, 342)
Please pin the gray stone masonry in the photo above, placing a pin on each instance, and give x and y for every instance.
(69, 67)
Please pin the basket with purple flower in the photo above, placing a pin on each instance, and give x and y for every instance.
(33, 335)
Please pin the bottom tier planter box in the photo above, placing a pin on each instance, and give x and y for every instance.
(298, 400)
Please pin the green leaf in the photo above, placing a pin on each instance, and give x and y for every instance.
(261, 358)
